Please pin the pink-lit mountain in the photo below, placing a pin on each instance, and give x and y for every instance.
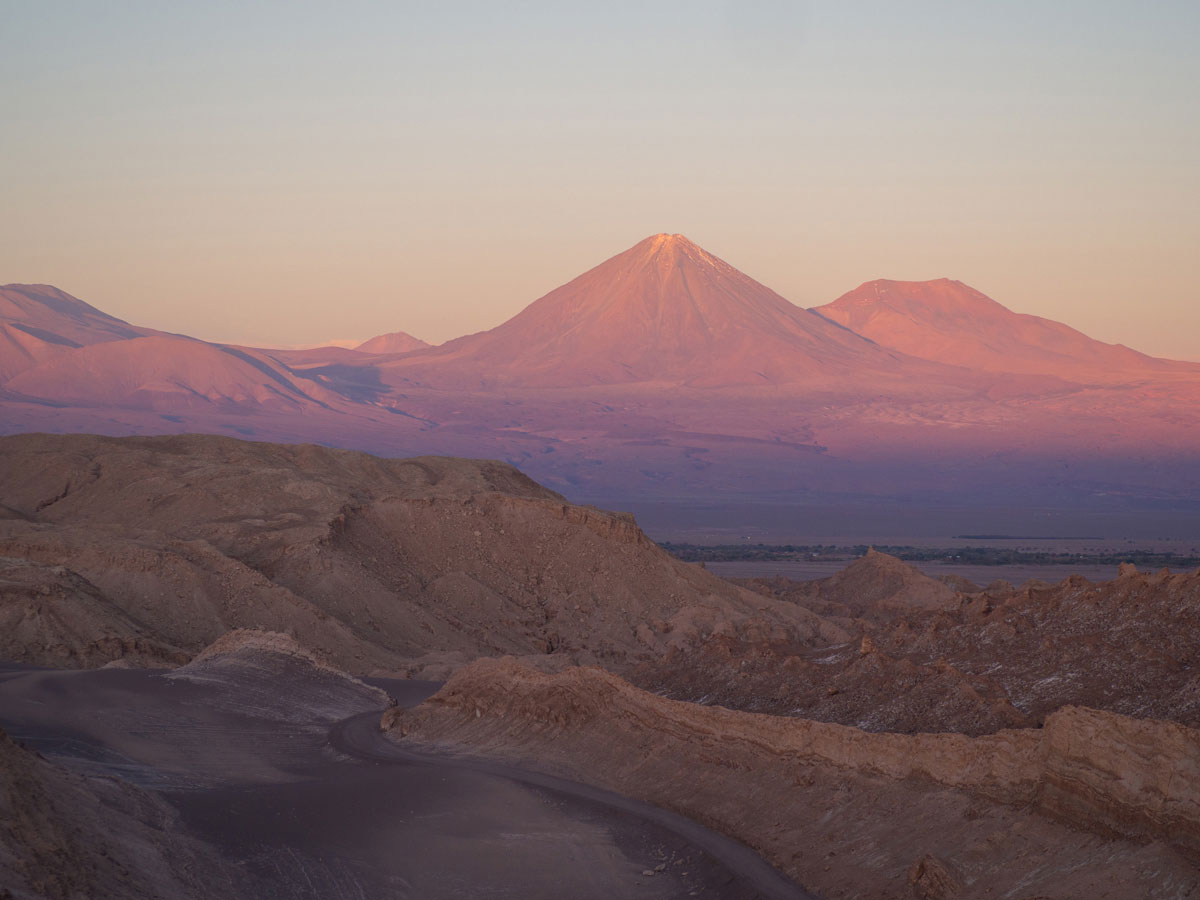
(665, 372)
(392, 342)
(664, 311)
(950, 322)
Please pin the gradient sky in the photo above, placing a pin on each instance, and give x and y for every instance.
(291, 172)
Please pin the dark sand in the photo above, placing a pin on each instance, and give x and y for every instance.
(356, 817)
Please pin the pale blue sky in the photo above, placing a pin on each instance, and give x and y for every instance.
(291, 172)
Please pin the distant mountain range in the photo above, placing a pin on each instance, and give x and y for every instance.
(664, 372)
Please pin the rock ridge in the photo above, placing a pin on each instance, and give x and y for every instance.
(1096, 771)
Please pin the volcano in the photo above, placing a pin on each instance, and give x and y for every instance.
(665, 372)
(951, 322)
(663, 311)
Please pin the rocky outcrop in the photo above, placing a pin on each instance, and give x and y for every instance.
(877, 582)
(382, 565)
(852, 684)
(1120, 775)
(932, 879)
(1093, 771)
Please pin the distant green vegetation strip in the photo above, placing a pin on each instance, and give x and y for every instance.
(973, 556)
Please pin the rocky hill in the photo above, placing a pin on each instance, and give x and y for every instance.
(155, 547)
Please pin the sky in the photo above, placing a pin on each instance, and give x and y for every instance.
(285, 173)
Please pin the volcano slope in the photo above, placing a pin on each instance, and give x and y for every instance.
(150, 548)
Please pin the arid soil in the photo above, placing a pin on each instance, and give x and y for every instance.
(148, 549)
(926, 656)
(224, 779)
(1092, 805)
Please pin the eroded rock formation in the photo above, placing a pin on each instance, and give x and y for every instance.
(1093, 804)
(927, 658)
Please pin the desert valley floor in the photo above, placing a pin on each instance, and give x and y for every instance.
(273, 798)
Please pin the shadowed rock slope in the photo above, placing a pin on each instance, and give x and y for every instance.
(163, 544)
(1092, 805)
(64, 836)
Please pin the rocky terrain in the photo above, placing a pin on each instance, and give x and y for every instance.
(64, 835)
(1092, 805)
(876, 733)
(148, 549)
(928, 657)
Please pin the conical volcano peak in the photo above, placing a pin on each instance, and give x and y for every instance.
(667, 241)
(664, 310)
(674, 248)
